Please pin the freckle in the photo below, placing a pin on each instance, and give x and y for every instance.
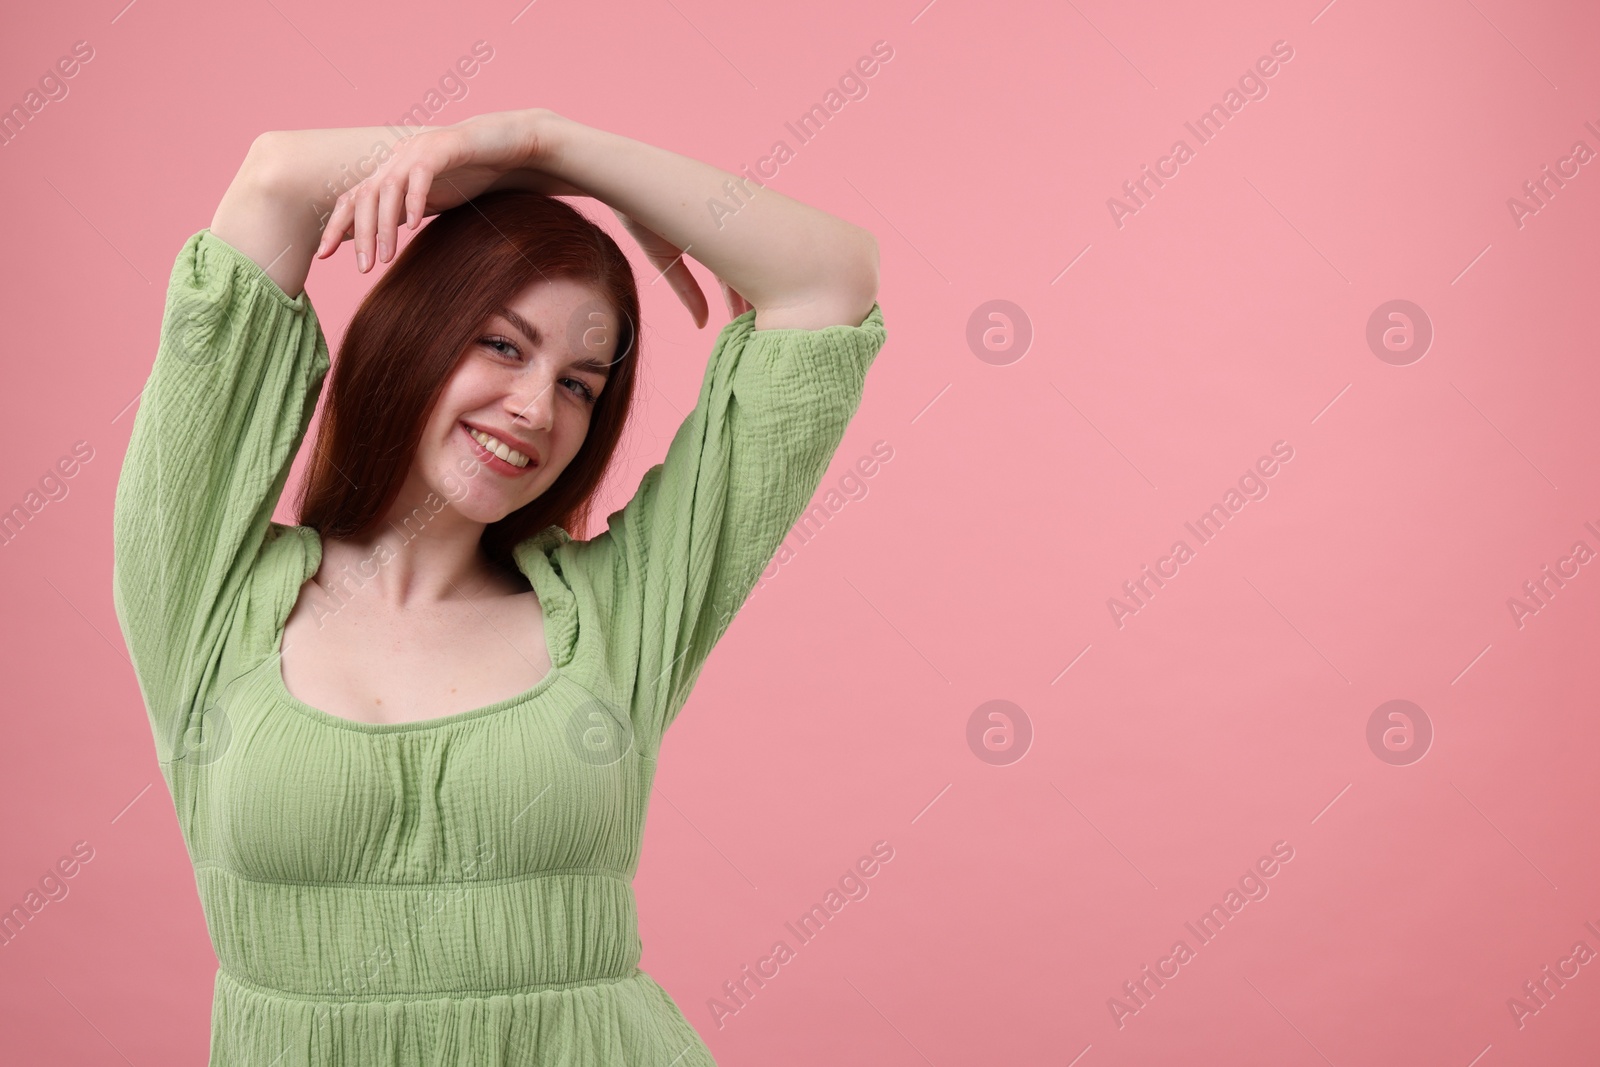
(377, 700)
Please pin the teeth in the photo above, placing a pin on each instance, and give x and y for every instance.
(499, 448)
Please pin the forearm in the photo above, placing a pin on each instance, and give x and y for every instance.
(318, 165)
(775, 251)
(276, 208)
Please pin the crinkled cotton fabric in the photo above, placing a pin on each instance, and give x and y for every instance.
(459, 890)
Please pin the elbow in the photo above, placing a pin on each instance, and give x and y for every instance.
(852, 286)
(843, 289)
(265, 163)
(866, 267)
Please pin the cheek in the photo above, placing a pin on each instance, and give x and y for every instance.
(472, 384)
(442, 448)
(439, 460)
(578, 433)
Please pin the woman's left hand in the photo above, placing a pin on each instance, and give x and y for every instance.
(668, 260)
(737, 305)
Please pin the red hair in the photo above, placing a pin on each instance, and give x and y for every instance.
(417, 322)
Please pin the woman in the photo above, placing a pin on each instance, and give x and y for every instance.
(411, 740)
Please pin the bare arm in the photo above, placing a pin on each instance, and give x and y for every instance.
(287, 189)
(799, 267)
(279, 201)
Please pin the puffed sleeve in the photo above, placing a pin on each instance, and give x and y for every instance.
(236, 377)
(680, 558)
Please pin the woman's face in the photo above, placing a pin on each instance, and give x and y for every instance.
(528, 379)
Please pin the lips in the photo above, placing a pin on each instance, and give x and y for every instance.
(494, 462)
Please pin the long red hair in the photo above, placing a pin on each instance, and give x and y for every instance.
(413, 327)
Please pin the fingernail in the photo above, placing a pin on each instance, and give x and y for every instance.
(383, 251)
(361, 261)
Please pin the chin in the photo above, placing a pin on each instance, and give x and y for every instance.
(487, 513)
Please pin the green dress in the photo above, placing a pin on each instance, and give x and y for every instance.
(458, 890)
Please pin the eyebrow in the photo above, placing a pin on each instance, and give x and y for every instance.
(535, 338)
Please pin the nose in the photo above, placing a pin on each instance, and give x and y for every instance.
(532, 401)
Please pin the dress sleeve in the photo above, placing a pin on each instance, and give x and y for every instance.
(236, 377)
(680, 558)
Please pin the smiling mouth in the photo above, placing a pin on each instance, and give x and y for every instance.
(500, 465)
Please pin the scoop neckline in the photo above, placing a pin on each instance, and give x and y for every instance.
(437, 722)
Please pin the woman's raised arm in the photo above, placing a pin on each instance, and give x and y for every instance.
(797, 266)
(279, 201)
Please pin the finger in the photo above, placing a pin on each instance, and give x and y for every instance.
(332, 229)
(689, 292)
(338, 222)
(420, 181)
(366, 225)
(391, 199)
(737, 304)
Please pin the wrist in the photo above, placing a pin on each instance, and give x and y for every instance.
(550, 134)
(529, 144)
(503, 140)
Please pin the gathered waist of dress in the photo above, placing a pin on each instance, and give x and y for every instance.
(628, 1021)
(401, 941)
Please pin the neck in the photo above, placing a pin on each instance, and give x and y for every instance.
(418, 559)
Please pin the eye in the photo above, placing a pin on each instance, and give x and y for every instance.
(492, 342)
(583, 389)
(500, 345)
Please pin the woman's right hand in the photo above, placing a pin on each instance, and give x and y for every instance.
(437, 169)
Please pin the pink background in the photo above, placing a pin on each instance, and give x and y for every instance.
(1230, 713)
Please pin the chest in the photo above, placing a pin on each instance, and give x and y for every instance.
(359, 660)
(295, 796)
(478, 772)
